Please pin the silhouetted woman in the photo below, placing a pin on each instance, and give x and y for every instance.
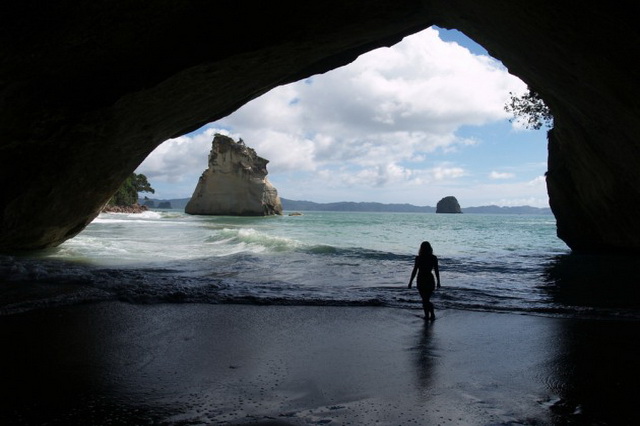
(425, 263)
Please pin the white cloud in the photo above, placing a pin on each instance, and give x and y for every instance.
(538, 182)
(176, 158)
(501, 175)
(386, 106)
(532, 192)
(174, 167)
(373, 129)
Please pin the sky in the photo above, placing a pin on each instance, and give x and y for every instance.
(412, 123)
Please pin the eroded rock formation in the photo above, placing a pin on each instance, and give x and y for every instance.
(235, 183)
(89, 89)
(448, 205)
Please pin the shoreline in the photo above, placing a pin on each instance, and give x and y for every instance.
(132, 209)
(114, 362)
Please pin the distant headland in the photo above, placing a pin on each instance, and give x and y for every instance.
(349, 206)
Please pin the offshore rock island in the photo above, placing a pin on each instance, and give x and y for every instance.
(448, 205)
(235, 183)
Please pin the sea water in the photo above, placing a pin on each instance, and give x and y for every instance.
(499, 263)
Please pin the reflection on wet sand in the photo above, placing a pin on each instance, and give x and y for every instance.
(425, 358)
(117, 363)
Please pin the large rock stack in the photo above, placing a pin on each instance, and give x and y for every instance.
(235, 183)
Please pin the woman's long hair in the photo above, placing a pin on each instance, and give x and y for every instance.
(425, 249)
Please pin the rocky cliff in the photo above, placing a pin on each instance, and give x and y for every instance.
(448, 205)
(84, 80)
(235, 183)
(134, 208)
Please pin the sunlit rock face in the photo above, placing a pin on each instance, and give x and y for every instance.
(89, 89)
(235, 183)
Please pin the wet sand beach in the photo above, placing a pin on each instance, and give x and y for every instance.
(179, 364)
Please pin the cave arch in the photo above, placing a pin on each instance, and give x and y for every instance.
(88, 90)
(436, 86)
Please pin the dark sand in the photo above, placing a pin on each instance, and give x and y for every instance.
(116, 363)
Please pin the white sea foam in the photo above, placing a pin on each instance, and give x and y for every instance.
(251, 240)
(125, 217)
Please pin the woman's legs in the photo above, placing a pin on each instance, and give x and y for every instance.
(431, 311)
(427, 306)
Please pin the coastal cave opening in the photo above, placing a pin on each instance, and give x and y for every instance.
(89, 89)
(410, 123)
(128, 93)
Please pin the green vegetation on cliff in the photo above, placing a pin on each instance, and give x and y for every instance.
(531, 109)
(127, 194)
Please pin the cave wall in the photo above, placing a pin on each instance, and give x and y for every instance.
(89, 89)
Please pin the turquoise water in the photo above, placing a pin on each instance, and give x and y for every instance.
(501, 263)
(172, 235)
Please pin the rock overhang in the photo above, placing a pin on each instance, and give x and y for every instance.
(89, 89)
